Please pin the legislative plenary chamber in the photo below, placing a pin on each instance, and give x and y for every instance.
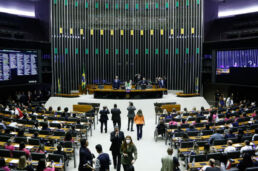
(128, 85)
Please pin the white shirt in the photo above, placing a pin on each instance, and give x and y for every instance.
(245, 148)
(229, 149)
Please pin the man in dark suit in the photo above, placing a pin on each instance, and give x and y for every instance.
(116, 83)
(116, 116)
(161, 83)
(85, 157)
(116, 137)
(144, 83)
(103, 118)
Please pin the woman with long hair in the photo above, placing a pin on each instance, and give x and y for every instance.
(139, 121)
(129, 153)
(42, 166)
(24, 165)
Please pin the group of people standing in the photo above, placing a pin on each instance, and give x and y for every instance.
(137, 118)
(123, 151)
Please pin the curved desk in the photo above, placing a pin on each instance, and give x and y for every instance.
(125, 94)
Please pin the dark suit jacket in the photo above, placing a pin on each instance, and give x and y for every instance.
(116, 114)
(85, 157)
(162, 84)
(104, 115)
(116, 141)
(116, 85)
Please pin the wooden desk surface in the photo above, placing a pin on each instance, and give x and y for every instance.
(134, 90)
(47, 148)
(33, 162)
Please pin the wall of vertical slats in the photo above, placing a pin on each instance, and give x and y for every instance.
(124, 37)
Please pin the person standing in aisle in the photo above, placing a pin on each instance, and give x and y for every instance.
(103, 118)
(139, 121)
(85, 157)
(116, 137)
(130, 115)
(128, 149)
(102, 161)
(116, 116)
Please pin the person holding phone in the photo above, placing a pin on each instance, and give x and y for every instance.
(129, 154)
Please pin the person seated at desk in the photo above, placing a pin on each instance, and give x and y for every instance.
(161, 83)
(247, 147)
(59, 128)
(143, 83)
(255, 134)
(24, 164)
(41, 149)
(42, 166)
(60, 151)
(22, 148)
(191, 128)
(229, 148)
(216, 136)
(230, 134)
(116, 83)
(68, 137)
(247, 161)
(128, 85)
(3, 165)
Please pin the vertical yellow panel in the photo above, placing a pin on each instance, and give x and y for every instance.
(161, 32)
(111, 32)
(142, 32)
(182, 31)
(101, 32)
(192, 30)
(121, 32)
(131, 32)
(91, 32)
(81, 31)
(151, 32)
(71, 30)
(61, 30)
(172, 31)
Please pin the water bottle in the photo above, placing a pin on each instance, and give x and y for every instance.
(60, 161)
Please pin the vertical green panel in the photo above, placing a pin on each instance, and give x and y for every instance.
(117, 6)
(198, 2)
(166, 51)
(157, 5)
(117, 51)
(76, 51)
(106, 5)
(87, 51)
(197, 50)
(187, 50)
(97, 51)
(55, 51)
(55, 1)
(167, 5)
(146, 51)
(177, 51)
(66, 51)
(76, 3)
(177, 4)
(126, 6)
(97, 5)
(187, 2)
(136, 51)
(107, 51)
(156, 51)
(86, 4)
(146, 5)
(126, 51)
(66, 2)
(137, 6)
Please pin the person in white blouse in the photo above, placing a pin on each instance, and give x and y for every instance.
(246, 147)
(229, 148)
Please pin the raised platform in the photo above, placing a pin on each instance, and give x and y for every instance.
(128, 94)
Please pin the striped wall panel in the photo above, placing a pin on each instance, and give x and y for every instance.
(124, 37)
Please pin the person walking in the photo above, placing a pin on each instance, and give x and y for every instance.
(103, 118)
(130, 115)
(116, 116)
(85, 157)
(116, 137)
(139, 121)
(128, 149)
(102, 161)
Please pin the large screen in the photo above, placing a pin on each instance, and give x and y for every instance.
(237, 66)
(18, 65)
